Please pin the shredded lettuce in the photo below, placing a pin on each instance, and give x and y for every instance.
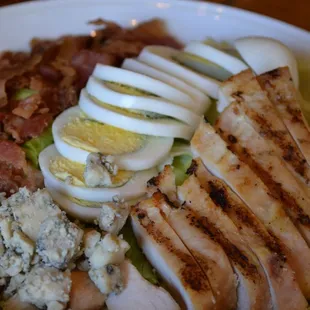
(34, 146)
(24, 93)
(212, 113)
(180, 165)
(137, 257)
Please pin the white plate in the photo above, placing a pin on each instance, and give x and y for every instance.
(187, 20)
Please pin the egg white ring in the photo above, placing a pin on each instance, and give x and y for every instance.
(143, 82)
(103, 93)
(264, 54)
(160, 57)
(134, 188)
(153, 127)
(85, 214)
(201, 102)
(150, 155)
(224, 60)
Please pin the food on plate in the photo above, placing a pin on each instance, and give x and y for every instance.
(35, 87)
(67, 177)
(263, 116)
(127, 110)
(199, 98)
(254, 150)
(214, 153)
(139, 294)
(216, 56)
(201, 244)
(76, 136)
(170, 257)
(279, 55)
(266, 247)
(162, 58)
(288, 102)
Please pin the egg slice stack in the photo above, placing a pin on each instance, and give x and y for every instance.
(134, 114)
(125, 114)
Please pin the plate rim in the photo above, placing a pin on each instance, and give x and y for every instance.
(215, 7)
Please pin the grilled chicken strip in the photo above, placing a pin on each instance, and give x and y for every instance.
(253, 289)
(170, 257)
(255, 151)
(264, 117)
(285, 97)
(285, 292)
(200, 242)
(139, 294)
(222, 163)
(164, 182)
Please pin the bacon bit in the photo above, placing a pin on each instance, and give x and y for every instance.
(36, 83)
(85, 61)
(12, 154)
(25, 110)
(70, 46)
(23, 129)
(34, 179)
(9, 73)
(50, 73)
(44, 110)
(3, 95)
(123, 49)
(28, 106)
(102, 22)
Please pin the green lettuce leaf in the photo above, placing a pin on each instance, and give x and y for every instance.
(34, 146)
(24, 93)
(212, 113)
(180, 165)
(137, 257)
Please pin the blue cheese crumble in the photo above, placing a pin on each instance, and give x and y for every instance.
(59, 241)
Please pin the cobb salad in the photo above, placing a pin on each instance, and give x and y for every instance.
(175, 177)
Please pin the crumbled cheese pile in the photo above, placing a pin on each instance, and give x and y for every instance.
(39, 246)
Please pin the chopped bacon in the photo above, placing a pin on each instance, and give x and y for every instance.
(12, 154)
(16, 70)
(15, 172)
(28, 106)
(23, 129)
(34, 179)
(85, 61)
(57, 70)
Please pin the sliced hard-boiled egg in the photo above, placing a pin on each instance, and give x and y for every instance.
(76, 136)
(142, 82)
(265, 54)
(64, 168)
(58, 171)
(216, 56)
(180, 148)
(161, 57)
(139, 123)
(202, 65)
(105, 94)
(80, 209)
(201, 101)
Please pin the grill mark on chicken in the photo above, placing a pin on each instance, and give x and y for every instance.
(290, 152)
(221, 198)
(278, 192)
(191, 275)
(275, 188)
(237, 256)
(238, 96)
(283, 94)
